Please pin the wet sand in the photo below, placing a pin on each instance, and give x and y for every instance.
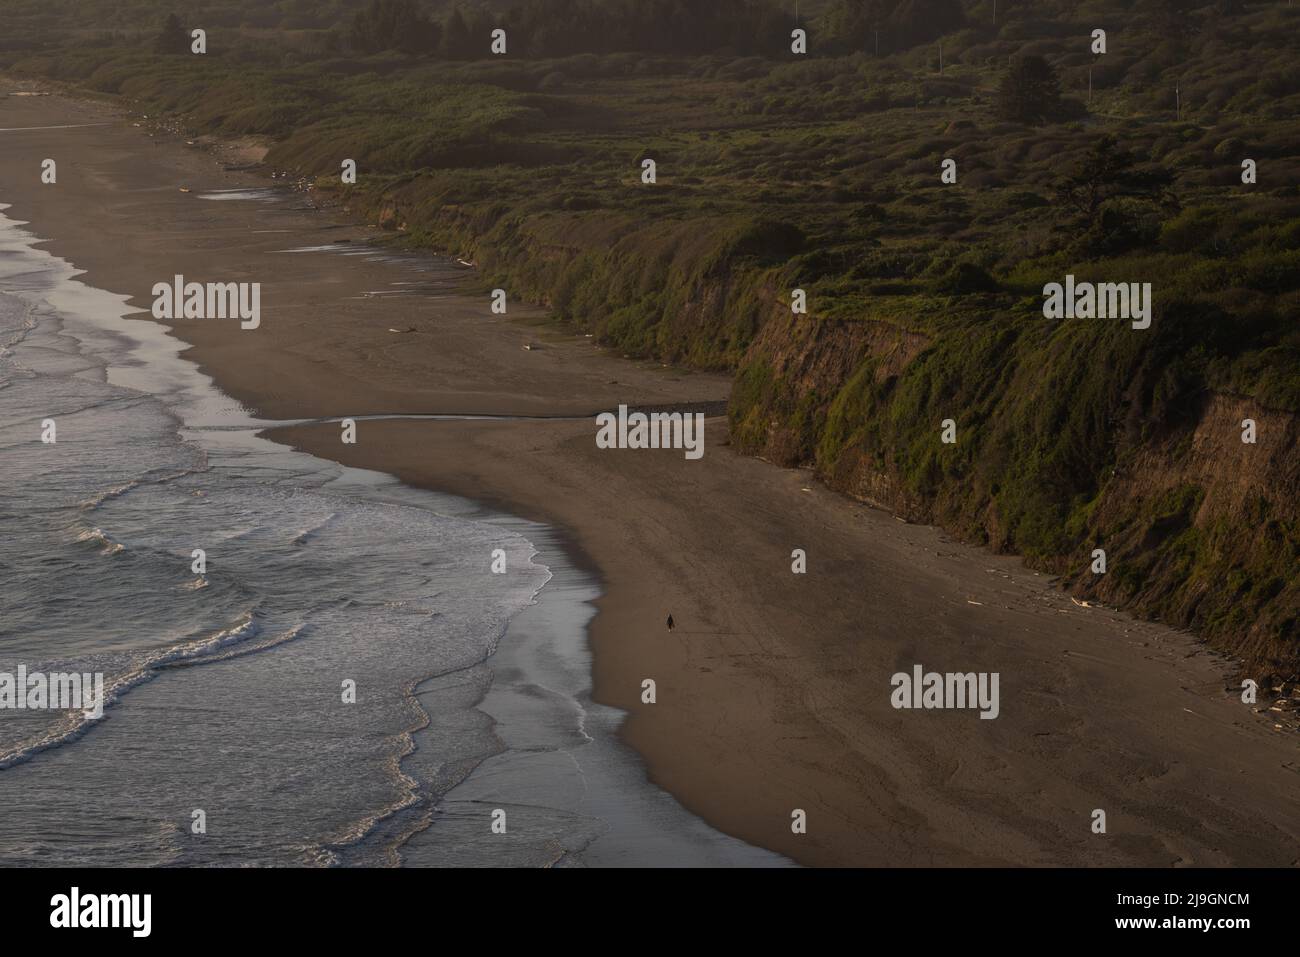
(773, 691)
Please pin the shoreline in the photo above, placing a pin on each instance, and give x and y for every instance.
(562, 768)
(774, 688)
(463, 715)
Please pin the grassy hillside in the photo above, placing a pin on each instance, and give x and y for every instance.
(777, 171)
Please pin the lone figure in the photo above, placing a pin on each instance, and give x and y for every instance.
(670, 623)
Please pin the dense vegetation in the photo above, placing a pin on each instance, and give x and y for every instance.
(822, 172)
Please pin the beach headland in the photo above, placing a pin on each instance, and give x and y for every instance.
(773, 690)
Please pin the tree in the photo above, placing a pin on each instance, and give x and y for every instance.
(172, 38)
(455, 36)
(850, 24)
(1172, 17)
(920, 21)
(855, 24)
(1029, 91)
(393, 25)
(1119, 202)
(1108, 172)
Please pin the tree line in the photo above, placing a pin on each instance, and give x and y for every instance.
(558, 28)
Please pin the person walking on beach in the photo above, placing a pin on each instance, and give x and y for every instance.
(670, 623)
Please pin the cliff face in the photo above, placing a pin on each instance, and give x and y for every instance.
(1203, 530)
(1060, 450)
(794, 366)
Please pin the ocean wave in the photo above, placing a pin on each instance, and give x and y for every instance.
(25, 314)
(307, 534)
(98, 537)
(117, 491)
(412, 810)
(387, 826)
(246, 647)
(100, 498)
(74, 723)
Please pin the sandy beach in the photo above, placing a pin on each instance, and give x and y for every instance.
(773, 690)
